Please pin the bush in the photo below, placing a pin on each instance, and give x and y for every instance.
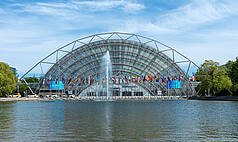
(234, 90)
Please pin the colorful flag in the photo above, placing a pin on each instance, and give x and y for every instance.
(113, 79)
(126, 80)
(56, 80)
(149, 78)
(63, 79)
(179, 78)
(157, 79)
(50, 78)
(169, 79)
(144, 79)
(76, 80)
(194, 77)
(69, 81)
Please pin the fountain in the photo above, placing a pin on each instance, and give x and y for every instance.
(105, 76)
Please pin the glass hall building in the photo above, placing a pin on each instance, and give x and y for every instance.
(77, 68)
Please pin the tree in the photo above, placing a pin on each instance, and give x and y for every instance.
(24, 87)
(234, 90)
(7, 80)
(32, 80)
(213, 78)
(221, 81)
(233, 70)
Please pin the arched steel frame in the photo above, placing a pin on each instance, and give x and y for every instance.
(81, 58)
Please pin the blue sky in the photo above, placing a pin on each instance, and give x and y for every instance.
(200, 29)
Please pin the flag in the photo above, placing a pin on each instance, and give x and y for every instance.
(91, 80)
(81, 80)
(126, 80)
(157, 79)
(69, 81)
(188, 79)
(136, 79)
(194, 77)
(144, 79)
(149, 78)
(133, 78)
(63, 79)
(50, 78)
(76, 80)
(139, 79)
(56, 80)
(179, 78)
(175, 78)
(169, 79)
(113, 79)
(122, 80)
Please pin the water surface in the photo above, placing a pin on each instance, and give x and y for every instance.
(119, 121)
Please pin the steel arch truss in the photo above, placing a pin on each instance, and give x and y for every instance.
(130, 54)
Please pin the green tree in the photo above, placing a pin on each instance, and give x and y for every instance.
(213, 79)
(24, 87)
(233, 70)
(7, 80)
(234, 89)
(32, 80)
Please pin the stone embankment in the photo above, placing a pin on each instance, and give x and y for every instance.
(214, 98)
(22, 99)
(94, 98)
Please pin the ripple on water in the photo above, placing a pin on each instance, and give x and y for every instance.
(119, 121)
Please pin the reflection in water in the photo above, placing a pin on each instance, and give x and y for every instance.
(119, 121)
(7, 118)
(107, 122)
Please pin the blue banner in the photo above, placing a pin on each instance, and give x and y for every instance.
(173, 84)
(56, 85)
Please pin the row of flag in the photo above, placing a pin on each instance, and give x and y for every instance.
(120, 80)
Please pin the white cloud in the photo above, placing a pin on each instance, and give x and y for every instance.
(141, 26)
(185, 18)
(73, 8)
(127, 6)
(197, 13)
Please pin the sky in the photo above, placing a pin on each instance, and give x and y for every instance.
(199, 29)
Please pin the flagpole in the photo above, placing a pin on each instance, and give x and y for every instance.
(168, 82)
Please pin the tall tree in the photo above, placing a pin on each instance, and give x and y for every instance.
(233, 70)
(233, 74)
(7, 80)
(213, 78)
